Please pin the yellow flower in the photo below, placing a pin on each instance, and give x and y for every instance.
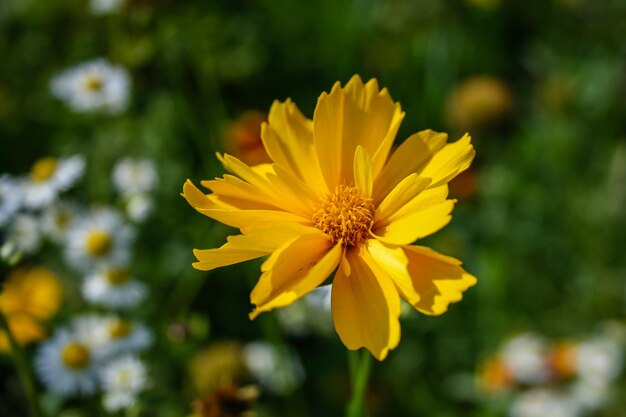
(335, 200)
(479, 101)
(29, 297)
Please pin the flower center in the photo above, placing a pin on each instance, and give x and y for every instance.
(345, 215)
(120, 328)
(93, 83)
(75, 355)
(117, 276)
(43, 169)
(99, 243)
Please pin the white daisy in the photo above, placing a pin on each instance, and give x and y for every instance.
(543, 403)
(23, 235)
(93, 86)
(94, 331)
(98, 239)
(599, 360)
(104, 7)
(48, 177)
(139, 207)
(57, 219)
(10, 199)
(278, 370)
(525, 357)
(123, 379)
(66, 364)
(135, 176)
(126, 336)
(114, 287)
(590, 394)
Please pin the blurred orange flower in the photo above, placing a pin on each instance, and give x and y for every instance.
(242, 138)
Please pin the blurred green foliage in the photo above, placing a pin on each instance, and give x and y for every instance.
(544, 231)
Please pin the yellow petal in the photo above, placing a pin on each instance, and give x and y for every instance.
(428, 212)
(366, 306)
(293, 270)
(235, 193)
(410, 157)
(257, 242)
(453, 159)
(402, 194)
(394, 262)
(245, 220)
(438, 279)
(276, 192)
(363, 175)
(196, 198)
(355, 115)
(288, 139)
(404, 230)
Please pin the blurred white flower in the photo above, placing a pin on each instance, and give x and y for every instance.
(57, 219)
(526, 358)
(123, 379)
(139, 207)
(48, 177)
(104, 7)
(588, 394)
(125, 336)
(278, 370)
(114, 287)
(135, 176)
(543, 403)
(99, 239)
(23, 235)
(312, 312)
(93, 86)
(66, 364)
(10, 199)
(599, 360)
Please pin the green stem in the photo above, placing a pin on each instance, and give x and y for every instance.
(23, 370)
(360, 368)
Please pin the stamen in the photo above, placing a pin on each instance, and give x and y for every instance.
(43, 169)
(345, 215)
(117, 276)
(120, 328)
(75, 355)
(99, 242)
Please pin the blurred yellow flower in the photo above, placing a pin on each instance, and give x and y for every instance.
(29, 297)
(486, 4)
(479, 101)
(335, 199)
(242, 138)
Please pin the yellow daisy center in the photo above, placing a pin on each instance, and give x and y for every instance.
(99, 243)
(120, 328)
(62, 219)
(345, 215)
(75, 355)
(93, 83)
(117, 276)
(43, 169)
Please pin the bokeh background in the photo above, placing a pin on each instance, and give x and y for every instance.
(540, 85)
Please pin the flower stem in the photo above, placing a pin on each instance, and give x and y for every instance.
(23, 370)
(360, 363)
